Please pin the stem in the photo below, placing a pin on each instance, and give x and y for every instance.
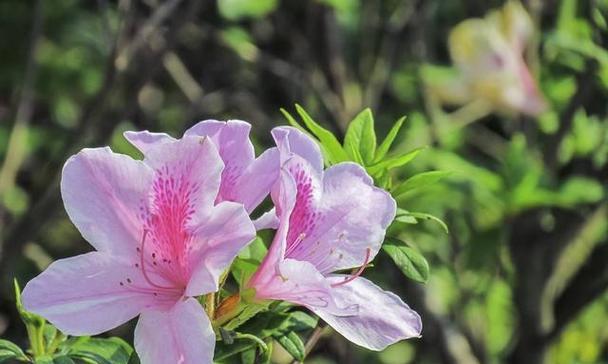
(312, 340)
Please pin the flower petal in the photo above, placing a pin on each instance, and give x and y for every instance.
(268, 220)
(346, 188)
(144, 140)
(103, 193)
(224, 232)
(328, 227)
(182, 335)
(382, 318)
(283, 196)
(290, 140)
(256, 181)
(245, 179)
(89, 294)
(301, 283)
(188, 170)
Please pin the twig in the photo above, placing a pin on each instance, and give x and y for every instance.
(313, 339)
(16, 149)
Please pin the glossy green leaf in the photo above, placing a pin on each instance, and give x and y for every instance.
(10, 351)
(293, 345)
(419, 180)
(405, 217)
(388, 141)
(411, 263)
(112, 350)
(63, 359)
(332, 147)
(394, 162)
(360, 139)
(237, 9)
(424, 216)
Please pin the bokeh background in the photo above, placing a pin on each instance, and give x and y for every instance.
(522, 275)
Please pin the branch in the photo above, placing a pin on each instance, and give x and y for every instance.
(587, 285)
(16, 149)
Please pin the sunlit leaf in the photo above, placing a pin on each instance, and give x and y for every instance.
(411, 263)
(388, 141)
(394, 162)
(328, 140)
(360, 139)
(418, 181)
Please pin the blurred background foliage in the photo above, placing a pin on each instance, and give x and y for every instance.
(522, 275)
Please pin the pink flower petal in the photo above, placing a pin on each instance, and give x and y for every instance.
(364, 211)
(188, 169)
(290, 140)
(382, 318)
(223, 233)
(144, 140)
(182, 335)
(245, 179)
(301, 283)
(91, 293)
(103, 193)
(328, 226)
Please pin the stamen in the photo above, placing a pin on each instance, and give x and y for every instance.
(143, 265)
(368, 253)
(295, 244)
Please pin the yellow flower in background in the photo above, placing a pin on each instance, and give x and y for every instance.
(488, 54)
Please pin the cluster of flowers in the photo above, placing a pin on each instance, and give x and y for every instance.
(167, 227)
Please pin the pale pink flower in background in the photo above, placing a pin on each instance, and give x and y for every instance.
(488, 55)
(331, 221)
(161, 238)
(245, 179)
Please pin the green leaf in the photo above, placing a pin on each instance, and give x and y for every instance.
(332, 147)
(264, 325)
(292, 121)
(411, 263)
(63, 360)
(10, 351)
(112, 350)
(237, 9)
(293, 345)
(134, 359)
(243, 269)
(360, 139)
(43, 360)
(256, 250)
(419, 180)
(394, 162)
(405, 217)
(248, 356)
(266, 356)
(248, 311)
(388, 141)
(423, 216)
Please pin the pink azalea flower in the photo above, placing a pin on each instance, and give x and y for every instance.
(331, 221)
(245, 179)
(160, 240)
